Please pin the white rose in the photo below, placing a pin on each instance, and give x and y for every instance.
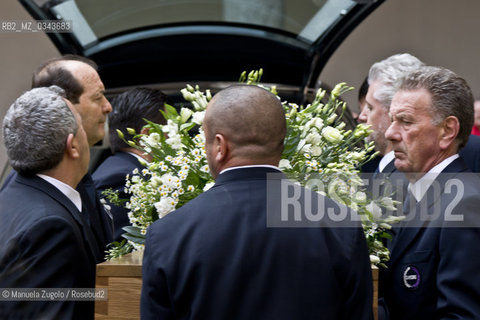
(318, 123)
(164, 206)
(375, 210)
(175, 141)
(388, 203)
(316, 151)
(155, 181)
(284, 164)
(331, 118)
(374, 259)
(198, 117)
(152, 139)
(332, 135)
(313, 138)
(357, 156)
(306, 148)
(187, 95)
(185, 114)
(360, 197)
(170, 128)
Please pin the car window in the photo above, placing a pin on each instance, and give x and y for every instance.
(93, 19)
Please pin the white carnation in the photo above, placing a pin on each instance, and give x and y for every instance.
(164, 206)
(198, 117)
(284, 164)
(375, 210)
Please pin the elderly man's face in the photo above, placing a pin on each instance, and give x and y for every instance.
(415, 140)
(81, 141)
(375, 115)
(92, 105)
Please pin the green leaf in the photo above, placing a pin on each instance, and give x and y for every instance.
(187, 126)
(133, 230)
(386, 235)
(133, 238)
(171, 111)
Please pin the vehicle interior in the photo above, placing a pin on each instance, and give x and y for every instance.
(167, 44)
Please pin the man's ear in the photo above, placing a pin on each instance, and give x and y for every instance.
(450, 129)
(71, 147)
(220, 145)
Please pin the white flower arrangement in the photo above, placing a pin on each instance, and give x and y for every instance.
(317, 148)
(177, 173)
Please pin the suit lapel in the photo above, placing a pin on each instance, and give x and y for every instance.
(100, 223)
(390, 167)
(409, 231)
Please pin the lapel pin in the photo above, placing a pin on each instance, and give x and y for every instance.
(411, 278)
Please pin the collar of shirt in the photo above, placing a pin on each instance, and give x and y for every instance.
(142, 160)
(68, 191)
(386, 160)
(251, 166)
(420, 187)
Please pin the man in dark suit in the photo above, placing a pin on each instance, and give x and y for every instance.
(44, 231)
(129, 111)
(433, 271)
(383, 76)
(380, 173)
(371, 165)
(78, 77)
(219, 257)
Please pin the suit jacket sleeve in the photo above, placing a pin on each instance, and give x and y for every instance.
(357, 275)
(155, 302)
(458, 279)
(43, 256)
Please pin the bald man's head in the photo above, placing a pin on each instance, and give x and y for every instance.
(60, 71)
(78, 77)
(251, 119)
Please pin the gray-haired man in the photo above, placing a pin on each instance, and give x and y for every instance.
(46, 242)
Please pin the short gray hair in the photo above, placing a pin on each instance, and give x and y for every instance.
(451, 96)
(35, 130)
(389, 72)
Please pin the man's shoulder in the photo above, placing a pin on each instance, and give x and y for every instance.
(122, 159)
(24, 206)
(219, 202)
(28, 184)
(459, 170)
(471, 153)
(31, 193)
(190, 209)
(114, 169)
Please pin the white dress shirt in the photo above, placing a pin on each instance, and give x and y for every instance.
(64, 188)
(420, 187)
(386, 160)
